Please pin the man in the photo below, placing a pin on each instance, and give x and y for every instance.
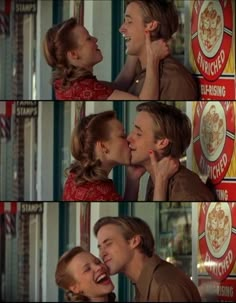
(160, 18)
(126, 245)
(166, 131)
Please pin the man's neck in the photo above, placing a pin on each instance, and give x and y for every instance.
(149, 169)
(135, 267)
(143, 59)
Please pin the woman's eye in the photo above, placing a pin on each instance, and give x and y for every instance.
(87, 269)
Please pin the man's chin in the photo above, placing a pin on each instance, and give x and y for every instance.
(133, 162)
(112, 272)
(129, 52)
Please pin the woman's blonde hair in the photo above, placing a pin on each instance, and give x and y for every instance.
(87, 132)
(58, 40)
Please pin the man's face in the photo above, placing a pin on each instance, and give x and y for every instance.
(133, 30)
(114, 249)
(141, 139)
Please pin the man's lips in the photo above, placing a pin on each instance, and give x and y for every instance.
(131, 148)
(107, 260)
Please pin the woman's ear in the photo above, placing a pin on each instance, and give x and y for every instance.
(72, 56)
(101, 147)
(104, 147)
(75, 288)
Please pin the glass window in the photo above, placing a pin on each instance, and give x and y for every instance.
(174, 234)
(61, 145)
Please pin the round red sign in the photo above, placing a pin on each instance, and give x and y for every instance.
(217, 236)
(211, 32)
(213, 137)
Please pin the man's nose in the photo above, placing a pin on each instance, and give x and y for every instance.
(102, 253)
(122, 29)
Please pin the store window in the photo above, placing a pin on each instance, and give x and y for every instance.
(62, 113)
(18, 48)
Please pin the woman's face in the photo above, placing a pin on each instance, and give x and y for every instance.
(91, 276)
(88, 52)
(119, 151)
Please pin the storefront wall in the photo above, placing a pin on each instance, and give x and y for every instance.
(211, 42)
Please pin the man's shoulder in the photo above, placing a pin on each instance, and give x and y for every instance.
(172, 64)
(184, 174)
(186, 185)
(174, 77)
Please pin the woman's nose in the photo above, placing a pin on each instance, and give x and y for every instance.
(129, 138)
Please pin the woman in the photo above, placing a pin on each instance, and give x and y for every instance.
(83, 277)
(98, 144)
(73, 53)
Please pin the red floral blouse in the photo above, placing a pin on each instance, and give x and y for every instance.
(83, 89)
(90, 191)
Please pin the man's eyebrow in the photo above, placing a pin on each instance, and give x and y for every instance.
(128, 16)
(104, 242)
(139, 128)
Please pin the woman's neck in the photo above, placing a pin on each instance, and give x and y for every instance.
(107, 167)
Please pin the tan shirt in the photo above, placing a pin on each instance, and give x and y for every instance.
(176, 82)
(161, 281)
(186, 186)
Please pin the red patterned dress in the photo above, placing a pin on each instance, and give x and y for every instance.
(90, 191)
(83, 89)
